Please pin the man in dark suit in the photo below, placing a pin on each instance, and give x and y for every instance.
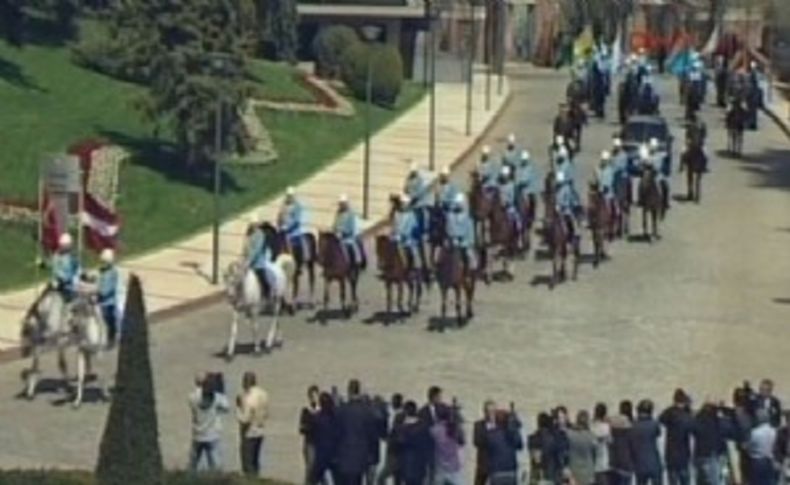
(766, 400)
(480, 433)
(427, 417)
(679, 424)
(356, 429)
(645, 433)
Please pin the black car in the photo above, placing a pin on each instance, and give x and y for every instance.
(639, 130)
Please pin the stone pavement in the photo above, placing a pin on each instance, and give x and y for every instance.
(179, 273)
(704, 308)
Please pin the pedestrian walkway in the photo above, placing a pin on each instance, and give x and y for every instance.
(176, 275)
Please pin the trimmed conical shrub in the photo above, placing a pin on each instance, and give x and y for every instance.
(129, 453)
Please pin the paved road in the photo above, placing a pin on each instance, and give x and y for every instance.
(706, 307)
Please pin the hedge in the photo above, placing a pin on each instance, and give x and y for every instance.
(386, 72)
(329, 47)
(71, 477)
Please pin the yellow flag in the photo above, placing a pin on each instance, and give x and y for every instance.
(583, 46)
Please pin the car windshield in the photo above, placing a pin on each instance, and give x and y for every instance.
(643, 132)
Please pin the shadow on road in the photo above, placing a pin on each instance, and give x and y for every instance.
(770, 168)
(386, 318)
(782, 301)
(541, 280)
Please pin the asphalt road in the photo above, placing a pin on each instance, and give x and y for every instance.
(705, 307)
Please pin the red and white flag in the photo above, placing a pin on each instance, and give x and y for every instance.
(101, 224)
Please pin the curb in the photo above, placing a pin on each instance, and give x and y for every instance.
(782, 124)
(157, 317)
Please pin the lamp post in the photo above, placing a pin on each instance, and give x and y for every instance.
(489, 27)
(470, 72)
(501, 41)
(433, 13)
(220, 66)
(370, 33)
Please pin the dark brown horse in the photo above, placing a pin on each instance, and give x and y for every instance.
(503, 237)
(693, 160)
(650, 200)
(527, 206)
(453, 274)
(599, 220)
(558, 236)
(278, 243)
(480, 206)
(396, 270)
(621, 212)
(337, 267)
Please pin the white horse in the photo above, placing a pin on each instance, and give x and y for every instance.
(50, 323)
(245, 296)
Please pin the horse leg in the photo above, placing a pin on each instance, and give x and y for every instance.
(311, 280)
(654, 220)
(469, 288)
(63, 366)
(576, 258)
(80, 379)
(644, 224)
(295, 284)
(31, 375)
(444, 303)
(230, 350)
(459, 320)
(274, 328)
(346, 310)
(698, 187)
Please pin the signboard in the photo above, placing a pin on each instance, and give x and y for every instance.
(62, 175)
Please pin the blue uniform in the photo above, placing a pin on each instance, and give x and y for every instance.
(293, 223)
(461, 233)
(446, 195)
(511, 157)
(108, 300)
(489, 172)
(346, 227)
(566, 199)
(417, 188)
(527, 179)
(606, 180)
(507, 195)
(65, 271)
(258, 252)
(404, 227)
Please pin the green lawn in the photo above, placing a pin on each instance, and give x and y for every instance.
(49, 103)
(277, 82)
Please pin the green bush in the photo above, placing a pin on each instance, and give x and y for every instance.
(330, 46)
(68, 477)
(386, 71)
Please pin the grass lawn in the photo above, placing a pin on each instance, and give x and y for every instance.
(49, 103)
(277, 82)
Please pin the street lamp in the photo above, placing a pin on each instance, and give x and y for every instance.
(470, 72)
(501, 58)
(220, 66)
(370, 33)
(433, 13)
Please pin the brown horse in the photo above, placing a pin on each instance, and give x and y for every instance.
(527, 206)
(337, 267)
(278, 243)
(599, 220)
(622, 204)
(693, 160)
(558, 237)
(480, 206)
(503, 237)
(651, 201)
(452, 273)
(396, 270)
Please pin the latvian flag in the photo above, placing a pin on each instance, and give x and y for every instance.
(100, 223)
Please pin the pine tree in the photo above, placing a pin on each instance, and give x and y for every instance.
(129, 453)
(193, 56)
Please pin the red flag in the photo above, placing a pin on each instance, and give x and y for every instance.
(50, 224)
(100, 223)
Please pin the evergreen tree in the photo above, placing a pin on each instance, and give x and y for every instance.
(12, 21)
(193, 55)
(278, 22)
(129, 453)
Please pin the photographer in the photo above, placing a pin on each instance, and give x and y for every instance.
(207, 403)
(448, 439)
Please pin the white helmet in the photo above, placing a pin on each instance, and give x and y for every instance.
(753, 64)
(290, 191)
(562, 152)
(505, 171)
(617, 142)
(606, 155)
(511, 139)
(459, 199)
(524, 155)
(644, 152)
(654, 143)
(445, 171)
(65, 241)
(560, 177)
(559, 139)
(405, 199)
(107, 256)
(486, 150)
(343, 199)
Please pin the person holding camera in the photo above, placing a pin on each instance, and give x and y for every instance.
(503, 443)
(448, 439)
(208, 404)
